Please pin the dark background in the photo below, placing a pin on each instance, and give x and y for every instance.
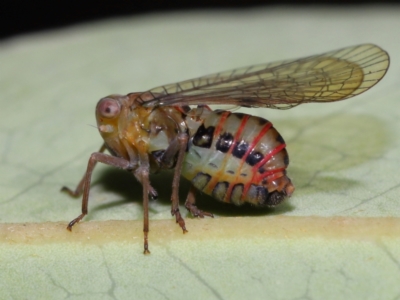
(19, 17)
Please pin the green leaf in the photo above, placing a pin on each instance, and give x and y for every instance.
(338, 236)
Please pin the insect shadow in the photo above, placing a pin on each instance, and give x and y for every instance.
(124, 184)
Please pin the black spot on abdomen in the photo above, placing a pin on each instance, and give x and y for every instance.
(204, 136)
(224, 142)
(240, 149)
(254, 157)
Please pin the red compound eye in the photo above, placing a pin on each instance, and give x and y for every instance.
(108, 108)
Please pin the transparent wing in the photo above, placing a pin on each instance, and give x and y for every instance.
(327, 77)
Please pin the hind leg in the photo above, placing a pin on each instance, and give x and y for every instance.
(190, 205)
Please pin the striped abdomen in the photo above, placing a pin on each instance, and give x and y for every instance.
(238, 158)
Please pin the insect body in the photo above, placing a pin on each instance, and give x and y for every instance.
(238, 158)
(233, 157)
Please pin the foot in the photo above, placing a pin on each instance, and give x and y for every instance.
(197, 212)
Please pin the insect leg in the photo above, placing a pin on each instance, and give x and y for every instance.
(150, 190)
(142, 174)
(190, 205)
(182, 140)
(79, 189)
(144, 163)
(94, 158)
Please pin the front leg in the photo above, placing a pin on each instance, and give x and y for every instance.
(84, 185)
(142, 174)
(79, 188)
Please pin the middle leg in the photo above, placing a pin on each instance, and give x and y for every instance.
(176, 151)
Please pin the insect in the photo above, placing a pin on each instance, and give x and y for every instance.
(233, 157)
